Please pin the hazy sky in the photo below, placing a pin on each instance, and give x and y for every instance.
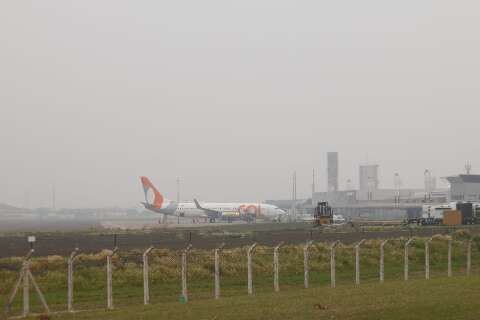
(231, 96)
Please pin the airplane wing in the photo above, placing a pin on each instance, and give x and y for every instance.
(210, 213)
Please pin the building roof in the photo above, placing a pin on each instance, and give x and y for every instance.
(5, 208)
(464, 178)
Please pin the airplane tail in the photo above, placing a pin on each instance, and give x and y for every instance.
(158, 198)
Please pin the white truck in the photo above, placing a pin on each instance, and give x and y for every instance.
(433, 214)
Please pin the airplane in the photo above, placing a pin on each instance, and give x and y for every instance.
(210, 211)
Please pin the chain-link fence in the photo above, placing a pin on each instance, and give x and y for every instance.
(81, 281)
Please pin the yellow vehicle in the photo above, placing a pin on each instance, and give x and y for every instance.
(323, 214)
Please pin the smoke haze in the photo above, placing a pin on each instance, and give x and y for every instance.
(231, 96)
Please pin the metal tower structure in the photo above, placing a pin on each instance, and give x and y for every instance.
(468, 167)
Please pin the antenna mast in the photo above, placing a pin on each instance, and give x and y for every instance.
(468, 167)
(313, 182)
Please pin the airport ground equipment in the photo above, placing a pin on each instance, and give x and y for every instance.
(452, 218)
(323, 214)
(468, 213)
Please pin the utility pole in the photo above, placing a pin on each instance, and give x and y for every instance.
(397, 184)
(178, 190)
(294, 195)
(313, 182)
(53, 197)
(428, 185)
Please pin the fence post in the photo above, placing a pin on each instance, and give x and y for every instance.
(70, 280)
(26, 284)
(26, 289)
(382, 261)
(249, 266)
(276, 267)
(146, 289)
(357, 261)
(469, 257)
(449, 258)
(184, 273)
(427, 259)
(109, 278)
(333, 281)
(217, 271)
(305, 263)
(407, 244)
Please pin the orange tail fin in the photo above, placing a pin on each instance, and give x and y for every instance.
(158, 198)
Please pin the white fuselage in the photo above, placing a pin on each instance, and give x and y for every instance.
(230, 210)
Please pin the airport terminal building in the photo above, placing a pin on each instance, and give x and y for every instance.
(464, 187)
(370, 201)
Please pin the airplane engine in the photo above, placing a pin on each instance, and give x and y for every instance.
(248, 212)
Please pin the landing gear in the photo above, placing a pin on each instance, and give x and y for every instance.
(251, 218)
(212, 220)
(163, 220)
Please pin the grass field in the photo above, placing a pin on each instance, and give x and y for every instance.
(90, 276)
(442, 298)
